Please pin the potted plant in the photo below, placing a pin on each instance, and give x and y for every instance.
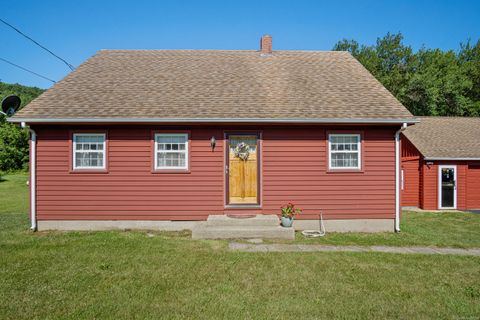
(288, 214)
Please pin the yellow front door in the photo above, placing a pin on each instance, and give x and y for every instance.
(242, 169)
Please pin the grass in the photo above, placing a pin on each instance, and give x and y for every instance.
(440, 229)
(131, 275)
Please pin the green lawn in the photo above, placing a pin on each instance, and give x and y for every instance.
(441, 229)
(130, 275)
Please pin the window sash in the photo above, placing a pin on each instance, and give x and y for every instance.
(174, 150)
(350, 148)
(94, 150)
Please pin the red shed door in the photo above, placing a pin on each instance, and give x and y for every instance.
(242, 169)
(473, 187)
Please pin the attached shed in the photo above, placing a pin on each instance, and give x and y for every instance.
(441, 164)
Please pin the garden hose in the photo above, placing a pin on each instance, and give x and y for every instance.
(316, 233)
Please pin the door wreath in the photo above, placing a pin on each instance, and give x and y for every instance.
(242, 151)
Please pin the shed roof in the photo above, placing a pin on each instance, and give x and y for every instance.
(446, 137)
(195, 85)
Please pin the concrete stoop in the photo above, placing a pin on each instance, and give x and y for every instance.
(257, 227)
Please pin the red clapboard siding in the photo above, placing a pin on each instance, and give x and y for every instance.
(411, 183)
(293, 168)
(421, 180)
(301, 176)
(473, 185)
(411, 174)
(430, 184)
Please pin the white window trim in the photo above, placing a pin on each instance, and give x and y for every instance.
(186, 151)
(104, 151)
(359, 151)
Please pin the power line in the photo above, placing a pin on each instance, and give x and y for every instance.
(25, 69)
(38, 44)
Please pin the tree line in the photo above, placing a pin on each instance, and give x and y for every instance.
(13, 139)
(429, 82)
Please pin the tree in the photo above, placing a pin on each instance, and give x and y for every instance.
(388, 60)
(13, 147)
(439, 85)
(428, 82)
(25, 93)
(469, 58)
(351, 46)
(13, 139)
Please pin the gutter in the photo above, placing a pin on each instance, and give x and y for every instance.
(216, 120)
(33, 176)
(447, 158)
(397, 176)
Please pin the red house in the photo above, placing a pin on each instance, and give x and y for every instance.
(163, 139)
(441, 164)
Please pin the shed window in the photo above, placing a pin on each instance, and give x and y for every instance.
(89, 151)
(344, 151)
(171, 151)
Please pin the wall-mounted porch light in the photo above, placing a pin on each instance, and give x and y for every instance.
(213, 142)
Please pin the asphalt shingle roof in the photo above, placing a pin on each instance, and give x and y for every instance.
(207, 84)
(446, 137)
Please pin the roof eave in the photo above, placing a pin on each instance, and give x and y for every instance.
(216, 120)
(452, 158)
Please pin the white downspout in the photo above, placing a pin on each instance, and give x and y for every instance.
(33, 175)
(397, 177)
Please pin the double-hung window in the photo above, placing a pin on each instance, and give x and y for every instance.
(89, 151)
(171, 151)
(344, 151)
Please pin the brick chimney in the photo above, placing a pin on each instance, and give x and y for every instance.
(266, 45)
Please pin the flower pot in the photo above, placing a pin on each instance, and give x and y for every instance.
(287, 222)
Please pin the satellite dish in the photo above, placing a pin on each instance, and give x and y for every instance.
(10, 105)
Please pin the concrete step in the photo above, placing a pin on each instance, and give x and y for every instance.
(204, 231)
(257, 220)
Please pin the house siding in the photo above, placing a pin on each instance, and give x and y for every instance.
(421, 180)
(411, 167)
(293, 168)
(430, 187)
(468, 184)
(473, 185)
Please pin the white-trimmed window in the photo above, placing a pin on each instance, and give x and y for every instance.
(344, 151)
(171, 151)
(89, 151)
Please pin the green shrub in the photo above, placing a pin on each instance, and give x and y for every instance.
(13, 139)
(13, 147)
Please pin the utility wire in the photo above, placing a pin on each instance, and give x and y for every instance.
(25, 69)
(38, 44)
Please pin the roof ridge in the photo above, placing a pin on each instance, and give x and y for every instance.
(226, 50)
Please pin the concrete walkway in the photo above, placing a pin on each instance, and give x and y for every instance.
(248, 247)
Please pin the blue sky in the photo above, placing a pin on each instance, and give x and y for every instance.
(75, 30)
